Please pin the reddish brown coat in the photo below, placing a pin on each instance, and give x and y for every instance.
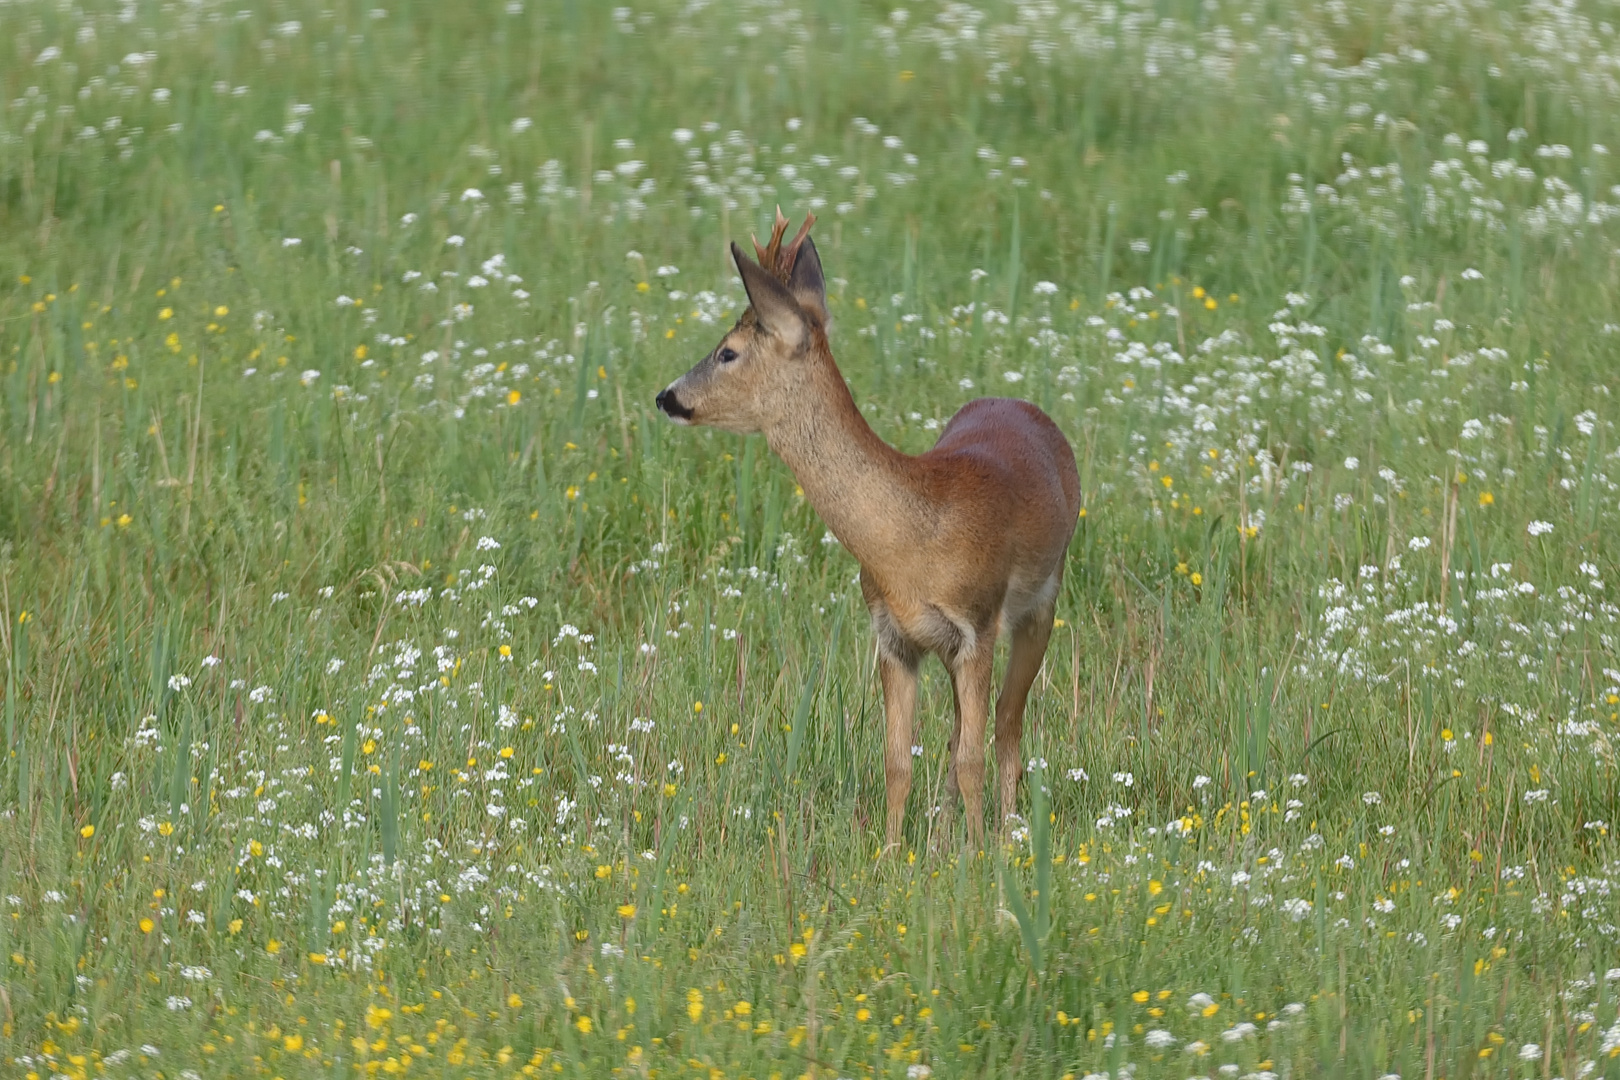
(957, 545)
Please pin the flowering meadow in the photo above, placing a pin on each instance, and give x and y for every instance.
(388, 689)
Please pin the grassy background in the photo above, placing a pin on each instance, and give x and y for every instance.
(304, 776)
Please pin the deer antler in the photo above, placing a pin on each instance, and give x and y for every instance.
(773, 256)
(767, 254)
(790, 255)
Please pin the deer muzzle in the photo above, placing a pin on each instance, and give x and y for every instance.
(672, 407)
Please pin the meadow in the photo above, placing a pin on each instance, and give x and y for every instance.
(389, 689)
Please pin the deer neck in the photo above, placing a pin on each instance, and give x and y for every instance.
(862, 488)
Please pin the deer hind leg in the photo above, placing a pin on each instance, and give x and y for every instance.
(899, 675)
(1029, 640)
(970, 675)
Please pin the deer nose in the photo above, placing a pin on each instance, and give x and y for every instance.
(667, 402)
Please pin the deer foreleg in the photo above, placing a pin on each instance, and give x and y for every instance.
(899, 675)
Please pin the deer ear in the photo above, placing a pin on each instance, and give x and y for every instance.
(778, 312)
(806, 283)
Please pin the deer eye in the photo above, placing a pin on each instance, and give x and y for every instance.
(727, 355)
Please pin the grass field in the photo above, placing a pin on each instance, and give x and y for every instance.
(389, 690)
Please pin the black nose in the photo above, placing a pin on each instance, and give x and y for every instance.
(666, 401)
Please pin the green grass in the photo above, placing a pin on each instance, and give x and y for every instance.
(1329, 730)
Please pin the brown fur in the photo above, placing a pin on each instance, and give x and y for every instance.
(956, 545)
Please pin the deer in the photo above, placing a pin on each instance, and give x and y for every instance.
(957, 546)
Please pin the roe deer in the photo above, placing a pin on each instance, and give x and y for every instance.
(956, 545)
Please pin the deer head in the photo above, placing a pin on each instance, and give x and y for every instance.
(766, 362)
